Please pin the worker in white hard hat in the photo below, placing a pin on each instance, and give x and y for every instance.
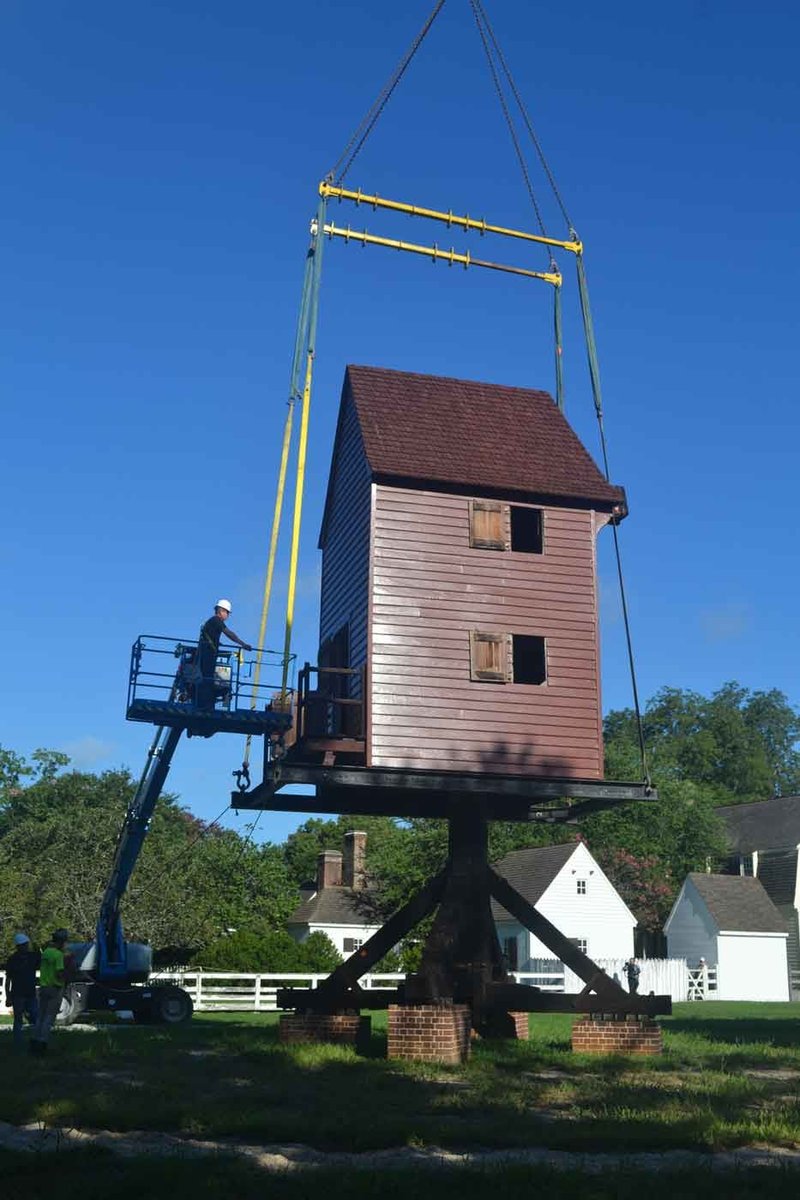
(208, 646)
(20, 972)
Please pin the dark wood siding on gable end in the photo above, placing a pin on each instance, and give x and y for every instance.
(345, 541)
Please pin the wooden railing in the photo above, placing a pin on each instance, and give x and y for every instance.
(321, 712)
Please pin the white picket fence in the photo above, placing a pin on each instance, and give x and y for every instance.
(243, 991)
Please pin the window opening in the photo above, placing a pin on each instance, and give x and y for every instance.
(350, 945)
(529, 659)
(581, 943)
(511, 953)
(581, 887)
(526, 529)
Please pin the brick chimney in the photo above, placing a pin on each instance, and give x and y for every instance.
(329, 869)
(354, 864)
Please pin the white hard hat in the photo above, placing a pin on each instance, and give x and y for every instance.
(226, 604)
(21, 939)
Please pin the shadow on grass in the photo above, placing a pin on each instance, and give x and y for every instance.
(94, 1176)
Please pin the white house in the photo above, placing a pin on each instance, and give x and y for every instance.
(764, 840)
(569, 888)
(731, 923)
(339, 904)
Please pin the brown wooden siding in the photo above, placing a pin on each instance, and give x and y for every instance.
(429, 588)
(345, 544)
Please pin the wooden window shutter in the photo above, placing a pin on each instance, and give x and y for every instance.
(489, 656)
(488, 525)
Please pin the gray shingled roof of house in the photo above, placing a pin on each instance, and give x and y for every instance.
(767, 825)
(738, 903)
(483, 437)
(337, 906)
(530, 872)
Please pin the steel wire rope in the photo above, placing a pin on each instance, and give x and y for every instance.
(301, 336)
(364, 129)
(184, 850)
(525, 117)
(591, 349)
(594, 374)
(509, 122)
(251, 830)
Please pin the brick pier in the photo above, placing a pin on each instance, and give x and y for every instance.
(429, 1032)
(617, 1035)
(347, 1028)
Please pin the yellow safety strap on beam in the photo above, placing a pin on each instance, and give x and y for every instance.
(298, 509)
(449, 218)
(434, 252)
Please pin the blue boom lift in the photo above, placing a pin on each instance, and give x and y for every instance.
(113, 973)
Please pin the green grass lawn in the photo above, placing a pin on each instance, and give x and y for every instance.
(730, 1076)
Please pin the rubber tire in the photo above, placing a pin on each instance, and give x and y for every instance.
(170, 1006)
(73, 1005)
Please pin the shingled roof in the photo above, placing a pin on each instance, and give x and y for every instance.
(738, 903)
(530, 872)
(337, 906)
(767, 825)
(482, 437)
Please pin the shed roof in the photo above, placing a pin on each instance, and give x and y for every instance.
(738, 903)
(530, 872)
(337, 906)
(483, 437)
(767, 825)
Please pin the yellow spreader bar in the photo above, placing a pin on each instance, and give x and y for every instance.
(449, 218)
(434, 252)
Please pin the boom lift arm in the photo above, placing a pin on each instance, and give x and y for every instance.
(112, 961)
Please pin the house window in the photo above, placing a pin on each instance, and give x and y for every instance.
(488, 525)
(507, 657)
(350, 945)
(488, 656)
(511, 953)
(581, 943)
(529, 659)
(746, 864)
(581, 884)
(527, 529)
(496, 526)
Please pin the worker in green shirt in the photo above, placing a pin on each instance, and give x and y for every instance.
(51, 990)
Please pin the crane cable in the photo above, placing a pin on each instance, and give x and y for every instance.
(484, 29)
(594, 375)
(243, 776)
(357, 141)
(489, 42)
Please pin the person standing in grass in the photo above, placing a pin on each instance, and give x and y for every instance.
(632, 973)
(20, 971)
(52, 980)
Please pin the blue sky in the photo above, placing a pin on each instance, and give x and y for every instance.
(160, 169)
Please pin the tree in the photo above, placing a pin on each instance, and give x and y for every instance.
(57, 841)
(644, 884)
(740, 744)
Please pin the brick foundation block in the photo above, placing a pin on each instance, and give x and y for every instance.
(511, 1025)
(429, 1032)
(617, 1035)
(345, 1028)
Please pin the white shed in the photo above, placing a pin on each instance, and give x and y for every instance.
(730, 921)
(569, 888)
